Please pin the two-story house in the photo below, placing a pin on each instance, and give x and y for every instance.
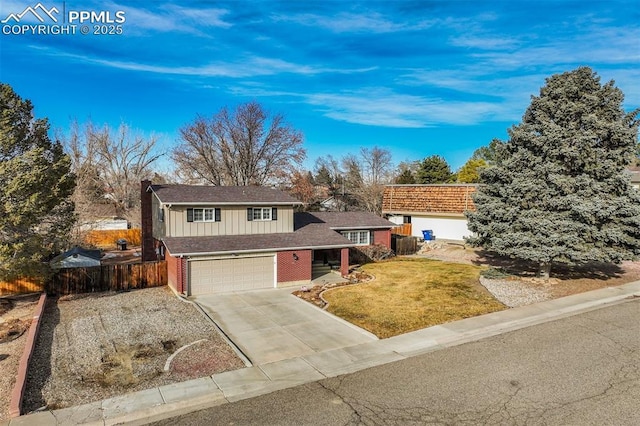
(222, 238)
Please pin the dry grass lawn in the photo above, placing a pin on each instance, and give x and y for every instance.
(410, 294)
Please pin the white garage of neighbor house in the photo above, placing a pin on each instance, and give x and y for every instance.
(438, 208)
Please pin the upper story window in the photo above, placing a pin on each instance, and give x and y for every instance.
(203, 215)
(361, 238)
(262, 213)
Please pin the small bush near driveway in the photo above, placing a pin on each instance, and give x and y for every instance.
(410, 294)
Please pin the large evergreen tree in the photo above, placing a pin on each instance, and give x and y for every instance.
(36, 184)
(434, 169)
(559, 191)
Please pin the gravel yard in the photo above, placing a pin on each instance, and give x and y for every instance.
(97, 346)
(514, 293)
(16, 314)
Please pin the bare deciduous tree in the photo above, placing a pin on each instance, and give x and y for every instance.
(375, 168)
(109, 163)
(358, 180)
(246, 147)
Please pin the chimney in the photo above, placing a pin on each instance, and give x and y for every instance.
(146, 221)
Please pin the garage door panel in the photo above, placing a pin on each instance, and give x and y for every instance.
(225, 275)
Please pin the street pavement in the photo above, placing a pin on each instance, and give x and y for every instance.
(576, 364)
(582, 370)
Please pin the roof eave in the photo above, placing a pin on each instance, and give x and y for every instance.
(344, 228)
(235, 203)
(423, 213)
(270, 250)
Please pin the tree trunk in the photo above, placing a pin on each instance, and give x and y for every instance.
(544, 270)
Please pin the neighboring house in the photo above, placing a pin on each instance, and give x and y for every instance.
(105, 224)
(439, 208)
(331, 204)
(218, 239)
(77, 257)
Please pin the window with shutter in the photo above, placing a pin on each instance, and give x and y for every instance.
(260, 213)
(203, 215)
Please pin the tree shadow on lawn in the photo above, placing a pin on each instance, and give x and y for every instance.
(561, 271)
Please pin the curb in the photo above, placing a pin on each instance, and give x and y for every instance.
(168, 401)
(15, 406)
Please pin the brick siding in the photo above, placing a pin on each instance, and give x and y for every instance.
(382, 237)
(292, 270)
(176, 269)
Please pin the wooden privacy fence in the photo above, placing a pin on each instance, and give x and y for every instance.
(21, 286)
(404, 229)
(403, 245)
(108, 278)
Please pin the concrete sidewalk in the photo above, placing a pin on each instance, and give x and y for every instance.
(180, 398)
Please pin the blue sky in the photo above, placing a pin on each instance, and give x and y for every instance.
(415, 77)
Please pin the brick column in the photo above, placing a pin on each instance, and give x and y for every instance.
(344, 261)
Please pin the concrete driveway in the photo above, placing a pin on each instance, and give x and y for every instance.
(273, 325)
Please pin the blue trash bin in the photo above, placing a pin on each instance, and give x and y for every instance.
(427, 234)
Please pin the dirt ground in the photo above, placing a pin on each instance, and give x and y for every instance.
(16, 314)
(100, 345)
(565, 280)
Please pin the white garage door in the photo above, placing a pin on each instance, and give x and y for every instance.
(236, 274)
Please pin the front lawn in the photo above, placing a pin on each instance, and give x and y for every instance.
(410, 294)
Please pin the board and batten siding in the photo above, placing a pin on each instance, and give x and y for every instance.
(233, 221)
(158, 222)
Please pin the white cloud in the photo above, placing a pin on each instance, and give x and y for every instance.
(239, 68)
(346, 22)
(382, 107)
(173, 18)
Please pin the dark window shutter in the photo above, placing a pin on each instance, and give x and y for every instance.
(189, 215)
(274, 213)
(371, 235)
(217, 216)
(249, 214)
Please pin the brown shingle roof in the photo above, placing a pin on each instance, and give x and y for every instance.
(343, 220)
(222, 195)
(449, 199)
(313, 236)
